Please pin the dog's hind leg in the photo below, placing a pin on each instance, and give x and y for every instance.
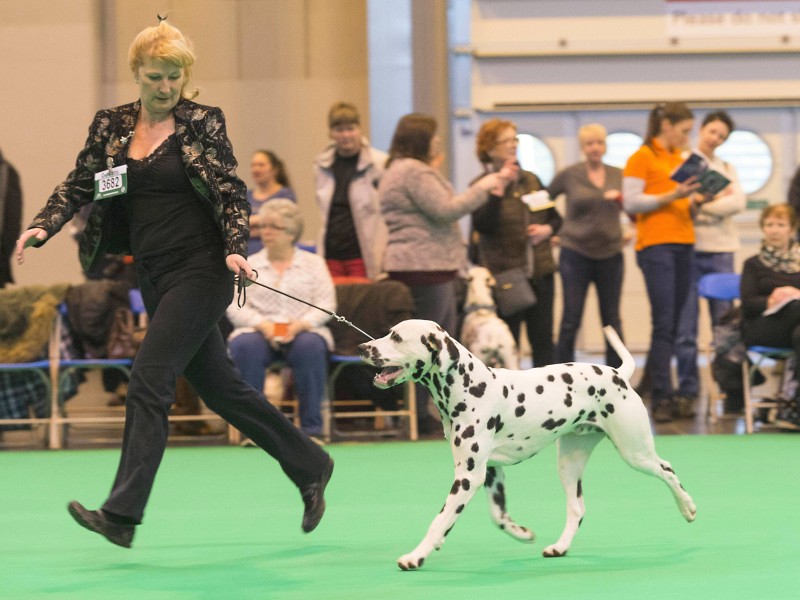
(634, 442)
(495, 490)
(574, 451)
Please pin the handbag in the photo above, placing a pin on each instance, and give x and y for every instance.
(124, 337)
(513, 292)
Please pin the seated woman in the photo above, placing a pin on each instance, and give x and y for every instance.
(273, 327)
(771, 282)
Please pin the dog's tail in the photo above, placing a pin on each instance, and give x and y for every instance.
(628, 365)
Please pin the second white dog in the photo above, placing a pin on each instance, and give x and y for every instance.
(485, 334)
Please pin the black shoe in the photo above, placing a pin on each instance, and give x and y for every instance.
(684, 407)
(314, 499)
(97, 521)
(663, 412)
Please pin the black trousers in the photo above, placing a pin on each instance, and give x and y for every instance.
(538, 321)
(185, 298)
(781, 330)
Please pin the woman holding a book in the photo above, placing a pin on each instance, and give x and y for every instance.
(770, 291)
(664, 238)
(716, 240)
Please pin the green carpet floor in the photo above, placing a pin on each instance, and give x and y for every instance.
(225, 523)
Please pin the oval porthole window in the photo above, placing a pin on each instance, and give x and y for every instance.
(751, 156)
(619, 147)
(534, 156)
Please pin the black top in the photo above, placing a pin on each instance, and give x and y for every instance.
(163, 212)
(758, 281)
(341, 240)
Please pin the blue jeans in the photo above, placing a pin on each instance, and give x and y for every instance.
(686, 340)
(306, 355)
(577, 272)
(667, 270)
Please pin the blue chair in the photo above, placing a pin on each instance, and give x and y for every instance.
(69, 365)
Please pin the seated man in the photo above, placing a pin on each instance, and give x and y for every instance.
(272, 327)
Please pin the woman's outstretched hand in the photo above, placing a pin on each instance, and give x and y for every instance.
(30, 237)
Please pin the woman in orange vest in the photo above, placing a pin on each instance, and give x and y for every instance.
(664, 238)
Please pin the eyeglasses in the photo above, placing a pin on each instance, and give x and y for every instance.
(268, 226)
(504, 141)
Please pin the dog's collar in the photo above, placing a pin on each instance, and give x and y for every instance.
(476, 307)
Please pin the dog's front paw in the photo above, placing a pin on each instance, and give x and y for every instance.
(554, 552)
(410, 562)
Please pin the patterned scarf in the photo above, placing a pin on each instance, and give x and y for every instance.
(783, 261)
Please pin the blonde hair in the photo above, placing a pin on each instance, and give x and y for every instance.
(591, 130)
(165, 43)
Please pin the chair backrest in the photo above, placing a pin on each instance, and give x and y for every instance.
(374, 307)
(719, 286)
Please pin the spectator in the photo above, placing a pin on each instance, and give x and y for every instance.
(271, 182)
(716, 240)
(664, 240)
(425, 248)
(10, 217)
(512, 235)
(771, 282)
(272, 327)
(347, 173)
(591, 240)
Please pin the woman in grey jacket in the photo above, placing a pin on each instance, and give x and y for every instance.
(425, 248)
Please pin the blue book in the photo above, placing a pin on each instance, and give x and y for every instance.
(711, 182)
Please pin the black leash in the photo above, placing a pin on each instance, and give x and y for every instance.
(242, 282)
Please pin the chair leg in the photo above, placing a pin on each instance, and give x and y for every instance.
(748, 399)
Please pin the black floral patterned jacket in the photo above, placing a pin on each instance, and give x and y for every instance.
(207, 157)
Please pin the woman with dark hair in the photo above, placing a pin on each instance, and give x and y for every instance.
(271, 182)
(716, 241)
(425, 248)
(664, 240)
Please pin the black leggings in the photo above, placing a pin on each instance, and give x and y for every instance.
(185, 298)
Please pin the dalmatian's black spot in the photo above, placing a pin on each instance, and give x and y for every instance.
(620, 382)
(603, 414)
(551, 424)
(510, 435)
(602, 392)
(597, 369)
(478, 390)
(591, 390)
(610, 408)
(494, 376)
(459, 508)
(461, 407)
(568, 400)
(449, 380)
(467, 380)
(520, 410)
(500, 500)
(520, 398)
(465, 484)
(490, 474)
(457, 441)
(505, 391)
(461, 369)
(452, 349)
(471, 366)
(458, 427)
(567, 378)
(456, 487)
(667, 469)
(395, 337)
(475, 447)
(539, 389)
(470, 463)
(498, 424)
(468, 432)
(490, 423)
(551, 378)
(591, 416)
(446, 392)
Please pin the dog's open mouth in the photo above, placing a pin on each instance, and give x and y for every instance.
(387, 376)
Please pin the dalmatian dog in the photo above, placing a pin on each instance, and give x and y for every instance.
(485, 334)
(498, 417)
